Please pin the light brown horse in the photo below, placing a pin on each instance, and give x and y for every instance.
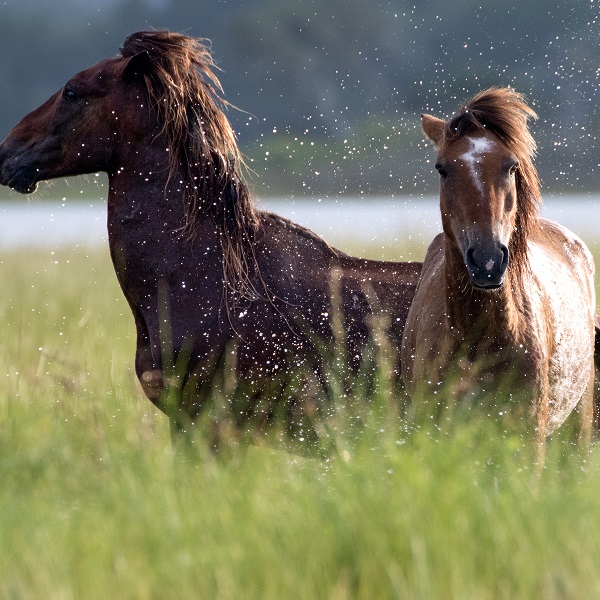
(505, 297)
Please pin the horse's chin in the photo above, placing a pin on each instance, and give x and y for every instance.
(487, 282)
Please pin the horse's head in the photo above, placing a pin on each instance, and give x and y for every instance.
(153, 115)
(478, 200)
(486, 191)
(76, 130)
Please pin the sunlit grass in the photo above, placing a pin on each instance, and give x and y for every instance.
(94, 503)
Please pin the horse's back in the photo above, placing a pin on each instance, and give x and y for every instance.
(566, 247)
(564, 266)
(314, 288)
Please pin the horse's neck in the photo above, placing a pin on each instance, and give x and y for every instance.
(476, 314)
(140, 185)
(146, 215)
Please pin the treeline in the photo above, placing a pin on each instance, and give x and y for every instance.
(331, 90)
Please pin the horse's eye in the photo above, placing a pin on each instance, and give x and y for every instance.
(443, 173)
(70, 95)
(513, 168)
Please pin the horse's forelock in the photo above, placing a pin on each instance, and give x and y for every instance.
(501, 111)
(180, 77)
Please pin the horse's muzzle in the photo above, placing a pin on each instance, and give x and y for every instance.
(23, 180)
(487, 266)
(20, 177)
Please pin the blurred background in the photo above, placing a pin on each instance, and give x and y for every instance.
(328, 97)
(330, 91)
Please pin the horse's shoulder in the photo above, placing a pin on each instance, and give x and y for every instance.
(435, 251)
(434, 261)
(424, 337)
(431, 281)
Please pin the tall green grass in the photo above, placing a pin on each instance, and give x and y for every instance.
(95, 504)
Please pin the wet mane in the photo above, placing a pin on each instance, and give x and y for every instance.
(179, 74)
(504, 113)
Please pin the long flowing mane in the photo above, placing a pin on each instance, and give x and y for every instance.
(504, 113)
(179, 74)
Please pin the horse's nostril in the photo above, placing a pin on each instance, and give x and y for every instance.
(470, 256)
(504, 255)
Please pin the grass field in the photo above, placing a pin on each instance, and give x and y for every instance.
(94, 504)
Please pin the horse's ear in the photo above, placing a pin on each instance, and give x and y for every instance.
(433, 128)
(136, 65)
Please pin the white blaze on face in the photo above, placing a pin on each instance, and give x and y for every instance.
(479, 146)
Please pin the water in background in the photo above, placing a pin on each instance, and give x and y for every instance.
(363, 221)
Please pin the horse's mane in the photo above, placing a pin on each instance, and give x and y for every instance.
(179, 74)
(504, 113)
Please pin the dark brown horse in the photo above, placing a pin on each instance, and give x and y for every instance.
(505, 297)
(215, 285)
